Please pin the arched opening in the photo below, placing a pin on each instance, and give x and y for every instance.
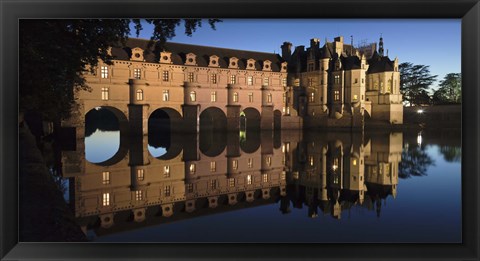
(277, 119)
(161, 136)
(249, 130)
(105, 132)
(251, 118)
(213, 125)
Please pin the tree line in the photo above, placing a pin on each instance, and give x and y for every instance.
(416, 81)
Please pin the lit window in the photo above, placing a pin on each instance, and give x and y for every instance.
(104, 72)
(335, 179)
(213, 184)
(250, 80)
(165, 76)
(269, 98)
(235, 164)
(192, 168)
(104, 94)
(283, 175)
(191, 77)
(250, 97)
(337, 78)
(310, 81)
(231, 182)
(213, 97)
(249, 179)
(213, 78)
(189, 188)
(355, 97)
(213, 166)
(284, 82)
(193, 96)
(138, 195)
(233, 79)
(235, 97)
(166, 95)
(312, 97)
(140, 174)
(354, 162)
(106, 178)
(265, 81)
(167, 191)
(106, 199)
(137, 73)
(250, 162)
(311, 161)
(284, 98)
(139, 95)
(268, 160)
(337, 95)
(265, 177)
(166, 171)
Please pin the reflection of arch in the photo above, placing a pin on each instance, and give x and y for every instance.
(250, 140)
(213, 118)
(251, 116)
(277, 119)
(213, 138)
(161, 125)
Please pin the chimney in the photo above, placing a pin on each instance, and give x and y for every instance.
(286, 51)
(314, 43)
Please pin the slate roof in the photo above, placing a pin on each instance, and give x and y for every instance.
(379, 64)
(203, 53)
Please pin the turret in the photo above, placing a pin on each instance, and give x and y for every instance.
(380, 46)
(286, 51)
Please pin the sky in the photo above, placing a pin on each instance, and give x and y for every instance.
(432, 42)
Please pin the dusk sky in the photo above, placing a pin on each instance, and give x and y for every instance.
(433, 42)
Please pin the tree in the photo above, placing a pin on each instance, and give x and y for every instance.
(450, 90)
(415, 162)
(415, 80)
(54, 54)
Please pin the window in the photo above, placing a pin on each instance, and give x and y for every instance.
(192, 168)
(355, 97)
(165, 76)
(166, 192)
(213, 78)
(193, 96)
(235, 97)
(312, 97)
(235, 164)
(250, 80)
(337, 95)
(265, 177)
(140, 175)
(213, 166)
(233, 79)
(310, 67)
(138, 195)
(265, 81)
(213, 184)
(284, 98)
(363, 80)
(231, 182)
(106, 199)
(337, 78)
(104, 72)
(310, 81)
(166, 171)
(189, 188)
(269, 98)
(166, 95)
(106, 178)
(354, 162)
(249, 179)
(284, 82)
(139, 95)
(311, 159)
(213, 97)
(250, 162)
(356, 80)
(283, 175)
(105, 94)
(250, 97)
(191, 76)
(137, 73)
(268, 160)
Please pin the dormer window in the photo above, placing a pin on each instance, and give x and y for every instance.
(137, 54)
(165, 57)
(250, 64)
(267, 65)
(284, 67)
(213, 61)
(191, 59)
(233, 64)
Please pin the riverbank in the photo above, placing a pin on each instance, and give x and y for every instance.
(44, 216)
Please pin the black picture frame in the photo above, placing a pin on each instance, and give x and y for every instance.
(12, 11)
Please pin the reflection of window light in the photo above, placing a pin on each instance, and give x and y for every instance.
(231, 182)
(335, 180)
(311, 161)
(138, 195)
(419, 139)
(265, 177)
(213, 166)
(250, 162)
(295, 175)
(249, 179)
(166, 171)
(189, 188)
(213, 184)
(140, 175)
(166, 95)
(167, 191)
(235, 164)
(420, 111)
(106, 199)
(283, 175)
(193, 96)
(269, 161)
(106, 178)
(192, 168)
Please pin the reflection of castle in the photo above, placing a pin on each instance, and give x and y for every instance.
(330, 172)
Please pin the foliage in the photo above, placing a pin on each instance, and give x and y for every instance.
(415, 162)
(451, 153)
(450, 91)
(55, 53)
(415, 80)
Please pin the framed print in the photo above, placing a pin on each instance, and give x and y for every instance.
(240, 130)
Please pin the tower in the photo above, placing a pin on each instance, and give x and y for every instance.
(380, 46)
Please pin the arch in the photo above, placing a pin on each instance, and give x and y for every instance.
(277, 119)
(105, 118)
(251, 116)
(162, 125)
(213, 125)
(250, 140)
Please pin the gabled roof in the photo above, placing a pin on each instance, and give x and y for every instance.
(203, 53)
(379, 64)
